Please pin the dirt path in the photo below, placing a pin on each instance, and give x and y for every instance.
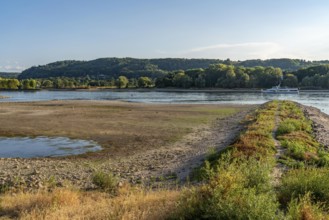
(279, 169)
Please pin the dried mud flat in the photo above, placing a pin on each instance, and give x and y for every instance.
(175, 159)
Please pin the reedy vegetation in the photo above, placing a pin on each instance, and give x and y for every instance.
(235, 184)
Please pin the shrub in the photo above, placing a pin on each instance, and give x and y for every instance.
(300, 182)
(295, 149)
(324, 158)
(303, 208)
(236, 189)
(226, 201)
(289, 125)
(106, 181)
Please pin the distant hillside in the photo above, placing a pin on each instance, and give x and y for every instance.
(285, 64)
(8, 75)
(106, 68)
(114, 67)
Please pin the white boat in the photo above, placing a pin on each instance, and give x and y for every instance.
(281, 90)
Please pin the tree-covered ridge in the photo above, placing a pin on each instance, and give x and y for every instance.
(114, 67)
(8, 75)
(106, 68)
(284, 63)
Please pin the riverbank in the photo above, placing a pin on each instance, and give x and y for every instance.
(134, 150)
(141, 141)
(240, 183)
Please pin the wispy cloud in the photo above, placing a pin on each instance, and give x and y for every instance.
(239, 45)
(12, 66)
(248, 50)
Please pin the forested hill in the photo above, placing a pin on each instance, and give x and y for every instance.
(284, 64)
(8, 75)
(114, 67)
(106, 68)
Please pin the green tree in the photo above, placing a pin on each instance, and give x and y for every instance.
(3, 84)
(32, 84)
(200, 82)
(290, 80)
(215, 73)
(13, 84)
(144, 82)
(242, 77)
(122, 82)
(182, 80)
(133, 82)
(47, 83)
(58, 83)
(29, 84)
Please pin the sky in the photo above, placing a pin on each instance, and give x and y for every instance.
(37, 32)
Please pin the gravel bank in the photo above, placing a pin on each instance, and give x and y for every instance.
(320, 124)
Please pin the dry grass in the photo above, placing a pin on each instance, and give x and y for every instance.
(70, 204)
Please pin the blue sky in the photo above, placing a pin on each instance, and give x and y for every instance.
(37, 32)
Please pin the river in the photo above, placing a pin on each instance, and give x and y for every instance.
(318, 99)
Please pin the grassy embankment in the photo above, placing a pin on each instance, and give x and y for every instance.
(239, 185)
(235, 184)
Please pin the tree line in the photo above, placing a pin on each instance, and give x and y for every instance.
(14, 84)
(74, 83)
(230, 76)
(214, 76)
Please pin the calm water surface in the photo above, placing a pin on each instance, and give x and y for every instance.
(44, 147)
(317, 99)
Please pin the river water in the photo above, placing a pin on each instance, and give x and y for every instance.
(319, 99)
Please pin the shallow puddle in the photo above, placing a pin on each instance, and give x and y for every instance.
(44, 147)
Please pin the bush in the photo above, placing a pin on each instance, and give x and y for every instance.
(324, 158)
(297, 183)
(220, 202)
(295, 149)
(106, 181)
(303, 208)
(289, 125)
(236, 189)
